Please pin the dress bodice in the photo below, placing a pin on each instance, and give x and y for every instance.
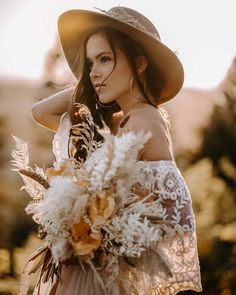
(164, 181)
(61, 138)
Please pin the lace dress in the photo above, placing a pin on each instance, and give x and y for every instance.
(173, 267)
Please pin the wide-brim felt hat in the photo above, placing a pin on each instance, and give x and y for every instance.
(74, 25)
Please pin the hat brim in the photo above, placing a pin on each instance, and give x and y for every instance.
(73, 25)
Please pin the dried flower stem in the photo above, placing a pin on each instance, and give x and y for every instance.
(35, 176)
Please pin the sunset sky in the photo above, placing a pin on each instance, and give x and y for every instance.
(203, 32)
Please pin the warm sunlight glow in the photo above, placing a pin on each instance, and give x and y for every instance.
(202, 32)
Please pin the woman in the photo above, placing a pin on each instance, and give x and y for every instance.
(124, 73)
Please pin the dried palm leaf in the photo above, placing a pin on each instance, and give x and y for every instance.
(20, 155)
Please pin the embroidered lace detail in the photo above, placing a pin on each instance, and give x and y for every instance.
(164, 180)
(123, 16)
(173, 265)
(151, 270)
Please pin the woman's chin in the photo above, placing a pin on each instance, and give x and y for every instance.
(105, 100)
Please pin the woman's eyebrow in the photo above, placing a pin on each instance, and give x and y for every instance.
(97, 56)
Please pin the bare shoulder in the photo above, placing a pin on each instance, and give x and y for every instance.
(159, 147)
(146, 119)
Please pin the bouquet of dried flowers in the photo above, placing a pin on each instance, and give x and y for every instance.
(91, 210)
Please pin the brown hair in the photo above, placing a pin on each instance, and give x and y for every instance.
(84, 92)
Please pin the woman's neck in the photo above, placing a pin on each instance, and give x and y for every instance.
(127, 104)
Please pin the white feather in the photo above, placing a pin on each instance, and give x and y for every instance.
(20, 155)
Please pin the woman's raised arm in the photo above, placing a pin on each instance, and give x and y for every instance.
(48, 111)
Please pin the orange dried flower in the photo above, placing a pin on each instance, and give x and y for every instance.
(102, 206)
(82, 183)
(84, 241)
(80, 231)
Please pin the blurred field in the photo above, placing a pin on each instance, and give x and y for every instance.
(10, 285)
(204, 135)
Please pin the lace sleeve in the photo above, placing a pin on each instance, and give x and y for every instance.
(173, 265)
(164, 181)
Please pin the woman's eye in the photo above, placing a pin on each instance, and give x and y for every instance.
(105, 59)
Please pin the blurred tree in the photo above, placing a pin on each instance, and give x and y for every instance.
(219, 142)
(215, 193)
(219, 136)
(56, 70)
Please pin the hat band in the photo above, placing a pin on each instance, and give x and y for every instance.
(129, 19)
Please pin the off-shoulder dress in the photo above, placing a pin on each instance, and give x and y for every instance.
(175, 265)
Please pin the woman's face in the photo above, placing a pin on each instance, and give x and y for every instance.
(110, 81)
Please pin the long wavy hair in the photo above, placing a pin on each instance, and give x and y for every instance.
(85, 93)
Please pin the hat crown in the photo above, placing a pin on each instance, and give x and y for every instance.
(133, 18)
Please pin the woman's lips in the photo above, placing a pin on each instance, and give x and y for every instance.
(98, 88)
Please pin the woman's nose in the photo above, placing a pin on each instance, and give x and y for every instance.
(94, 72)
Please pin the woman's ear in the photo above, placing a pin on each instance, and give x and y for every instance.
(141, 64)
